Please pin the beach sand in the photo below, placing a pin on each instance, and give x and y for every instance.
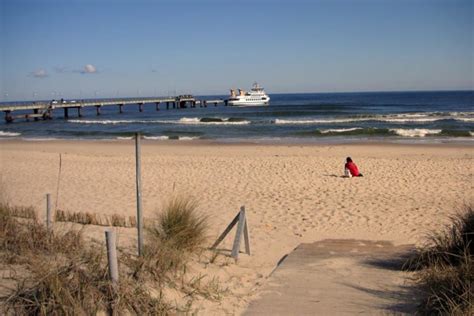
(292, 193)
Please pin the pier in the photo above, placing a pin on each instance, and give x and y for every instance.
(44, 110)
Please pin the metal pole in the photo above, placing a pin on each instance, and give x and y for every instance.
(112, 255)
(139, 194)
(48, 211)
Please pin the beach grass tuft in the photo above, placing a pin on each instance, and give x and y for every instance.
(445, 267)
(180, 225)
(178, 232)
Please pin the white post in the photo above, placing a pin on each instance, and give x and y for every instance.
(112, 255)
(139, 193)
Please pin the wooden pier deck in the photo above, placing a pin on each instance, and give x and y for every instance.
(45, 110)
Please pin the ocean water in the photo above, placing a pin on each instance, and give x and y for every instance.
(444, 116)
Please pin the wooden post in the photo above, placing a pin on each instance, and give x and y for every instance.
(112, 256)
(167, 105)
(139, 193)
(242, 228)
(48, 211)
(238, 233)
(246, 238)
(120, 108)
(66, 112)
(140, 107)
(79, 111)
(97, 109)
(157, 106)
(35, 111)
(205, 104)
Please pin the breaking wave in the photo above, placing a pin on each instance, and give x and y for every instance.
(171, 137)
(392, 118)
(414, 132)
(184, 120)
(214, 121)
(114, 122)
(9, 134)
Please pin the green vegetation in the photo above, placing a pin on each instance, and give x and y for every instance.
(445, 268)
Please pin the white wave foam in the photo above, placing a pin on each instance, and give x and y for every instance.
(156, 137)
(339, 130)
(188, 138)
(170, 138)
(316, 121)
(112, 122)
(188, 120)
(9, 134)
(416, 132)
(125, 138)
(424, 117)
(412, 120)
(465, 119)
(197, 121)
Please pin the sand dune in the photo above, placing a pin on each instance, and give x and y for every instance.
(292, 193)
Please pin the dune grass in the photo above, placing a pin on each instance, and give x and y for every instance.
(180, 226)
(445, 268)
(178, 232)
(65, 274)
(86, 218)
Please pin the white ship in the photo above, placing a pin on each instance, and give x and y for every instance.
(256, 96)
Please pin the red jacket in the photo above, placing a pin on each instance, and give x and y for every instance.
(352, 169)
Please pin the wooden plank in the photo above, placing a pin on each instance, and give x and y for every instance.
(246, 238)
(238, 233)
(226, 231)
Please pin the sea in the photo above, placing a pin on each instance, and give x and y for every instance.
(420, 117)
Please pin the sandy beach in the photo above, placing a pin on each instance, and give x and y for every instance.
(292, 193)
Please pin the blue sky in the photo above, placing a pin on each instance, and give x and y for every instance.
(104, 48)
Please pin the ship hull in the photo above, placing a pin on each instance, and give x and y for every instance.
(244, 103)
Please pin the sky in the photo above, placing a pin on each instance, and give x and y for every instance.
(51, 49)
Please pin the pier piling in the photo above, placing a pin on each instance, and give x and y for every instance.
(120, 108)
(66, 113)
(140, 107)
(97, 109)
(157, 106)
(79, 111)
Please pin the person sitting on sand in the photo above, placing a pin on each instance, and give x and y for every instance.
(352, 168)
